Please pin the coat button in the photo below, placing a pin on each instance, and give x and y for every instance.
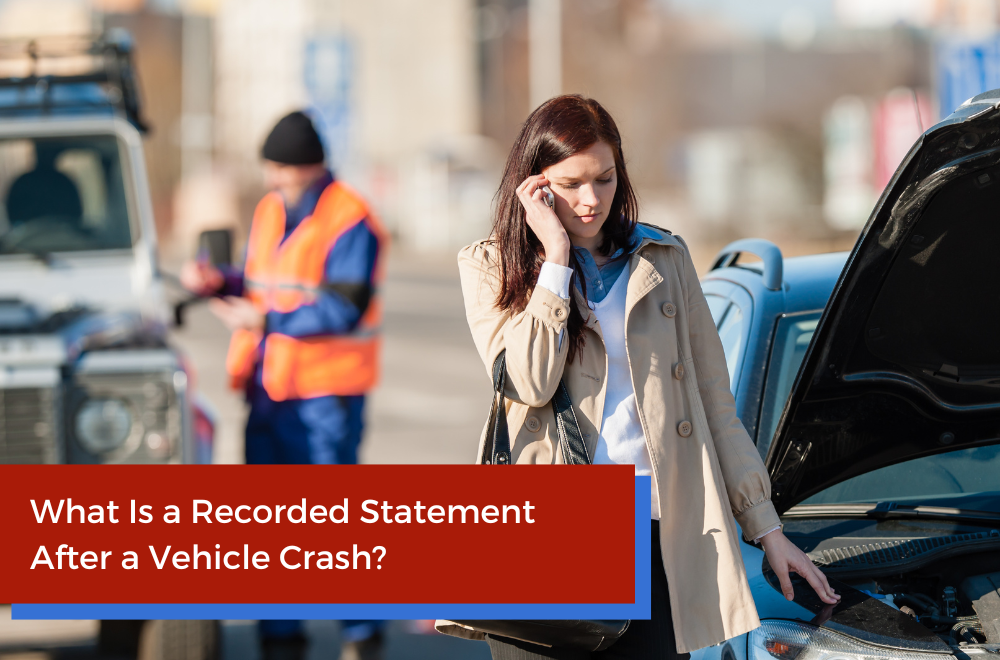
(647, 255)
(532, 423)
(684, 429)
(668, 310)
(560, 312)
(679, 371)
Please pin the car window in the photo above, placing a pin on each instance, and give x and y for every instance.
(731, 333)
(791, 339)
(717, 305)
(975, 470)
(62, 194)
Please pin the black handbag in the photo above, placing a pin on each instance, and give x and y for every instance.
(592, 635)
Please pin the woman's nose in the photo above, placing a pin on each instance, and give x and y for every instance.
(588, 196)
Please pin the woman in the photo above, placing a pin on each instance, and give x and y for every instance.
(644, 366)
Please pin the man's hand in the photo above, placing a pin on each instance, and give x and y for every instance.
(785, 556)
(200, 278)
(237, 313)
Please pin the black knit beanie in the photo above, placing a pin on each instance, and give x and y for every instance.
(293, 141)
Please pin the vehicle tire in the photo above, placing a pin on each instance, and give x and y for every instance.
(179, 640)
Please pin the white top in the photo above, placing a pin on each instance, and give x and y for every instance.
(622, 440)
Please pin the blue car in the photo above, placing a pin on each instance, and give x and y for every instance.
(870, 382)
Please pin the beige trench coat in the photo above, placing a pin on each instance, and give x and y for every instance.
(706, 468)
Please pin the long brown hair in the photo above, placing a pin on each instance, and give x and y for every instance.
(557, 129)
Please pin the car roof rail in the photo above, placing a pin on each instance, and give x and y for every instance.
(768, 252)
(105, 60)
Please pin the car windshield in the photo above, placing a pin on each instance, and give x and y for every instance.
(791, 339)
(959, 472)
(62, 194)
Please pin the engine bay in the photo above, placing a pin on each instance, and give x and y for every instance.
(943, 576)
(956, 596)
(965, 611)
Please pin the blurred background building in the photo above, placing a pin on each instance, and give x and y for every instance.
(782, 118)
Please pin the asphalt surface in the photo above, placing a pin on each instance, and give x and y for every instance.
(76, 640)
(429, 408)
(433, 397)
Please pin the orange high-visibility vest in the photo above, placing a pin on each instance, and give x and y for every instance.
(283, 276)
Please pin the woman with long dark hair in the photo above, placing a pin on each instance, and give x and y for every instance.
(579, 290)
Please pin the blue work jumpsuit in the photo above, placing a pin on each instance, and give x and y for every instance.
(325, 429)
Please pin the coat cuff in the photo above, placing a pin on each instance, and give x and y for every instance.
(758, 519)
(548, 308)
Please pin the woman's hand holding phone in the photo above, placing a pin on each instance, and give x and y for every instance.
(543, 220)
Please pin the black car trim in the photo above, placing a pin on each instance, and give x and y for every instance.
(901, 556)
(890, 511)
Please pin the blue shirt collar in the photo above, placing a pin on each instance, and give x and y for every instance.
(600, 279)
(307, 204)
(638, 234)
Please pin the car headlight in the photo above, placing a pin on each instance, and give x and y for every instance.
(103, 425)
(788, 640)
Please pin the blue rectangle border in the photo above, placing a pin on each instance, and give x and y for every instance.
(640, 609)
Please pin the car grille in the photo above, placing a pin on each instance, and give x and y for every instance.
(27, 425)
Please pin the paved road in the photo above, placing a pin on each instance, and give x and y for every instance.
(75, 640)
(434, 394)
(429, 408)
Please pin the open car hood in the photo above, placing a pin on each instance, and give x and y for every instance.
(905, 361)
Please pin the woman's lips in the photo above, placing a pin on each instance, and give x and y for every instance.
(588, 218)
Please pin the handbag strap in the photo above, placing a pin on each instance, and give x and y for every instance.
(496, 449)
(574, 449)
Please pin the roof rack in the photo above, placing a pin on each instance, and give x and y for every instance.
(768, 252)
(71, 73)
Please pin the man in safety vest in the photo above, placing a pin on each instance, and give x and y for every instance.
(305, 316)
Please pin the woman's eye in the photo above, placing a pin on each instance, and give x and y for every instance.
(608, 180)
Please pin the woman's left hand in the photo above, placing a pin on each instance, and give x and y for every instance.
(785, 556)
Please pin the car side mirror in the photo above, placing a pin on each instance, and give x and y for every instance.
(217, 246)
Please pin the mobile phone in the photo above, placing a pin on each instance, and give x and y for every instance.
(550, 198)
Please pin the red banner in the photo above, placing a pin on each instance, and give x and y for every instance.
(316, 534)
